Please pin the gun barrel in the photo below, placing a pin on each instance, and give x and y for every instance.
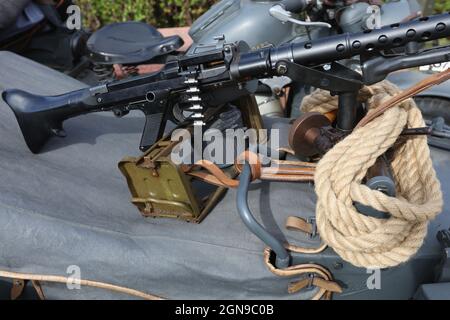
(325, 50)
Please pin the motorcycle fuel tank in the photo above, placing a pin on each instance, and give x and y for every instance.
(238, 20)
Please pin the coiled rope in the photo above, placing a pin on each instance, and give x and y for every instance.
(366, 241)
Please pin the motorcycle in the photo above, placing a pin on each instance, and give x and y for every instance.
(221, 74)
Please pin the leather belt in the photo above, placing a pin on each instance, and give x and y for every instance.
(423, 85)
(295, 172)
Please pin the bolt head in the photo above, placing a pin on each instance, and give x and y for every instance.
(282, 69)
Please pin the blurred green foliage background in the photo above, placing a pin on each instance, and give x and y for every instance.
(442, 5)
(161, 13)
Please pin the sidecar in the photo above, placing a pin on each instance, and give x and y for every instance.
(66, 212)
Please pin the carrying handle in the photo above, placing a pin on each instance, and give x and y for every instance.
(282, 256)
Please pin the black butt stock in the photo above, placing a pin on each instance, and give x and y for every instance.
(41, 117)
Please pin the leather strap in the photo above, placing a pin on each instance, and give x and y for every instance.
(253, 159)
(299, 224)
(17, 289)
(37, 286)
(313, 271)
(217, 177)
(295, 163)
(330, 286)
(287, 178)
(288, 171)
(423, 85)
(214, 175)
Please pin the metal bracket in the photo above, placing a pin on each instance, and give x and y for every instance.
(276, 84)
(311, 278)
(336, 79)
(443, 275)
(312, 222)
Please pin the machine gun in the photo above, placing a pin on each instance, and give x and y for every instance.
(210, 79)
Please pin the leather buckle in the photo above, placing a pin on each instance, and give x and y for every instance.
(312, 222)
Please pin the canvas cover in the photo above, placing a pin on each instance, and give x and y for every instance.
(69, 206)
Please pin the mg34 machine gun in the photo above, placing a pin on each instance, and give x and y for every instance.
(200, 85)
(210, 79)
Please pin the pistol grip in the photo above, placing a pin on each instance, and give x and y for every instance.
(153, 130)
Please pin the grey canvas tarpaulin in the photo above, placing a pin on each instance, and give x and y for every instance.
(69, 206)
